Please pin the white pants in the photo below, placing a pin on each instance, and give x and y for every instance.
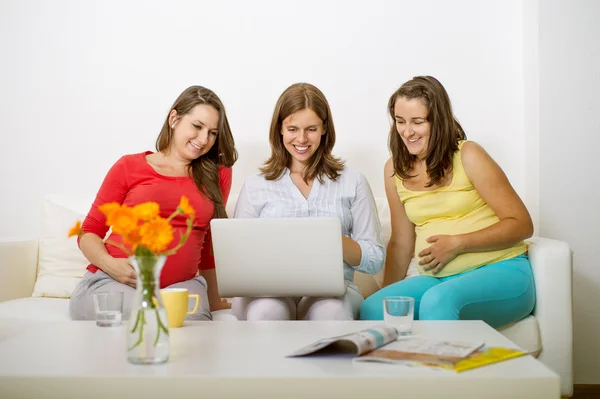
(345, 307)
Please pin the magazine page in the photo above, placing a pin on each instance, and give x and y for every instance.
(485, 356)
(359, 342)
(481, 357)
(414, 349)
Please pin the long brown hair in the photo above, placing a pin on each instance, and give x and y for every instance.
(295, 98)
(205, 169)
(445, 131)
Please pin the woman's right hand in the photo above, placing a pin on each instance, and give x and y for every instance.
(121, 271)
(94, 250)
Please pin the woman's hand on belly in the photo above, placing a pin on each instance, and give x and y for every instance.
(443, 250)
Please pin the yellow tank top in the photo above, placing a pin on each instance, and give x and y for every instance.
(454, 209)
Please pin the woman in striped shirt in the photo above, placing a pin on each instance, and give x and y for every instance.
(303, 179)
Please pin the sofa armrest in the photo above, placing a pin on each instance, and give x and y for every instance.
(18, 268)
(551, 261)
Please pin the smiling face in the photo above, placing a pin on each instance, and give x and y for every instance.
(301, 133)
(194, 133)
(412, 125)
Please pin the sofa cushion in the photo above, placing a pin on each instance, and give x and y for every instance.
(61, 263)
(38, 309)
(525, 333)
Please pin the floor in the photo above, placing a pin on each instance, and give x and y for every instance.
(586, 392)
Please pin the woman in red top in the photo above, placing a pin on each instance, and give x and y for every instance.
(195, 153)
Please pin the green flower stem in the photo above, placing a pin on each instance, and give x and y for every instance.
(146, 265)
(161, 326)
(120, 246)
(141, 318)
(183, 238)
(137, 321)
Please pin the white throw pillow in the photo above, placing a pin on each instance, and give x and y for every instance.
(61, 264)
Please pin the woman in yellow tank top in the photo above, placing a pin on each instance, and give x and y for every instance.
(453, 210)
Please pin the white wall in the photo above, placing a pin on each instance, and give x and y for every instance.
(85, 82)
(531, 107)
(569, 87)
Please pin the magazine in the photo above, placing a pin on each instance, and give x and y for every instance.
(414, 349)
(359, 343)
(485, 356)
(444, 355)
(383, 344)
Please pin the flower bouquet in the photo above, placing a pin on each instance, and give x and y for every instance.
(146, 237)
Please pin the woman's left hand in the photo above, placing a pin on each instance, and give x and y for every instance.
(436, 256)
(221, 305)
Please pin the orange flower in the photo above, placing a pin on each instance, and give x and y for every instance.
(142, 227)
(185, 207)
(108, 208)
(156, 234)
(75, 230)
(122, 220)
(146, 211)
(133, 238)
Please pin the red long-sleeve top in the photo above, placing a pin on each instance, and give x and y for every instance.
(132, 181)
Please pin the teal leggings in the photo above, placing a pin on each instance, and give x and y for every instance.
(499, 294)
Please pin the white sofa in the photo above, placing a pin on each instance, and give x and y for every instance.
(38, 276)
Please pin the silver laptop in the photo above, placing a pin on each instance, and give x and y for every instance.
(278, 257)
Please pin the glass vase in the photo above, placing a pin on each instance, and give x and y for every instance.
(147, 331)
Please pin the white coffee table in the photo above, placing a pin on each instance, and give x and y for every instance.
(245, 359)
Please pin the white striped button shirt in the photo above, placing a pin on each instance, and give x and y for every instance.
(349, 198)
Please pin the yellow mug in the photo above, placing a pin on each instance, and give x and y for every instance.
(176, 305)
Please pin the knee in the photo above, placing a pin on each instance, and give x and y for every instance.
(328, 309)
(80, 309)
(435, 306)
(267, 309)
(201, 314)
(372, 308)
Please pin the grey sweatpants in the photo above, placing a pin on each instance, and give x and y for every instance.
(81, 304)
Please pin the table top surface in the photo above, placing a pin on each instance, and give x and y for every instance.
(232, 349)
